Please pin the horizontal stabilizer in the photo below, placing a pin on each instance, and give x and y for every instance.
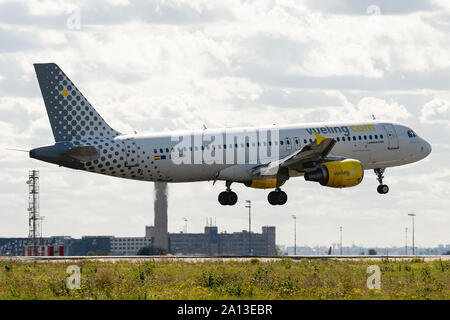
(83, 153)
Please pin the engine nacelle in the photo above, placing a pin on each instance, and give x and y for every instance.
(338, 174)
(270, 183)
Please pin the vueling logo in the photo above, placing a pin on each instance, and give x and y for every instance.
(342, 129)
(366, 127)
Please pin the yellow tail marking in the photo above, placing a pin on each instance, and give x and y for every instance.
(319, 137)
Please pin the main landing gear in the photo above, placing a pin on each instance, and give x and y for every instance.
(228, 198)
(277, 197)
(382, 188)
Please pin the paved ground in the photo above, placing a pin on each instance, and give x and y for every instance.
(137, 259)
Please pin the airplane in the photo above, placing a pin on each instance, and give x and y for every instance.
(334, 154)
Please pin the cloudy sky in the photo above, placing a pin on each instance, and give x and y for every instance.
(179, 64)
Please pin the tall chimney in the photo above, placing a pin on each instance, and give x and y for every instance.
(161, 235)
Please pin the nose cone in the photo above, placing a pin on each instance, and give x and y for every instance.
(426, 148)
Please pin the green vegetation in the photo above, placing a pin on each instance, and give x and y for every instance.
(225, 279)
(151, 251)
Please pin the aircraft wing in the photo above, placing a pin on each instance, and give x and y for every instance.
(300, 160)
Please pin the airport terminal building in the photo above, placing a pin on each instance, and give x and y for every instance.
(212, 243)
(208, 243)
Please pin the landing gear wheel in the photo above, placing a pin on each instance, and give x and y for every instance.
(228, 198)
(383, 189)
(232, 198)
(277, 197)
(223, 198)
(282, 198)
(272, 198)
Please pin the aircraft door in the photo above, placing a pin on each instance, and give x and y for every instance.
(131, 152)
(392, 136)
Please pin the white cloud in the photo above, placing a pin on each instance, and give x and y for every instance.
(381, 109)
(436, 111)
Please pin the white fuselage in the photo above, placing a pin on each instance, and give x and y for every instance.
(207, 153)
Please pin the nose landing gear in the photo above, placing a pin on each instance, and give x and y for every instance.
(228, 197)
(382, 188)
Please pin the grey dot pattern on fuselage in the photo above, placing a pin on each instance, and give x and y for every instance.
(113, 161)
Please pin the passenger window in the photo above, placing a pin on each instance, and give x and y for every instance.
(354, 138)
(224, 146)
(376, 136)
(343, 138)
(248, 144)
(365, 137)
(167, 149)
(281, 143)
(235, 145)
(338, 139)
(310, 140)
(304, 141)
(381, 136)
(359, 137)
(370, 137)
(161, 150)
(270, 143)
(155, 151)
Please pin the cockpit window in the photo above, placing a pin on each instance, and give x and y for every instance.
(411, 134)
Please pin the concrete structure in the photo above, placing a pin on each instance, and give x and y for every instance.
(213, 243)
(161, 232)
(99, 245)
(128, 246)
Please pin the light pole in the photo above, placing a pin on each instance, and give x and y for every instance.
(295, 234)
(185, 224)
(249, 206)
(340, 229)
(412, 215)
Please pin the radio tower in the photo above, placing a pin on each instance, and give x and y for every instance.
(33, 210)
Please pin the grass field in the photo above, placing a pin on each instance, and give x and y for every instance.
(225, 279)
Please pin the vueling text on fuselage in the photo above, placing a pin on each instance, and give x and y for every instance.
(341, 129)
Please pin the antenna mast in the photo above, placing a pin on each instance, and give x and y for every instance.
(34, 220)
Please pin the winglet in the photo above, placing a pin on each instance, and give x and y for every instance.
(319, 137)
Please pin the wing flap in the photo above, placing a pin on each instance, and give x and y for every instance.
(313, 151)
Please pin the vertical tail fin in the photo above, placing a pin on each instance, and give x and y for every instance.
(71, 116)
